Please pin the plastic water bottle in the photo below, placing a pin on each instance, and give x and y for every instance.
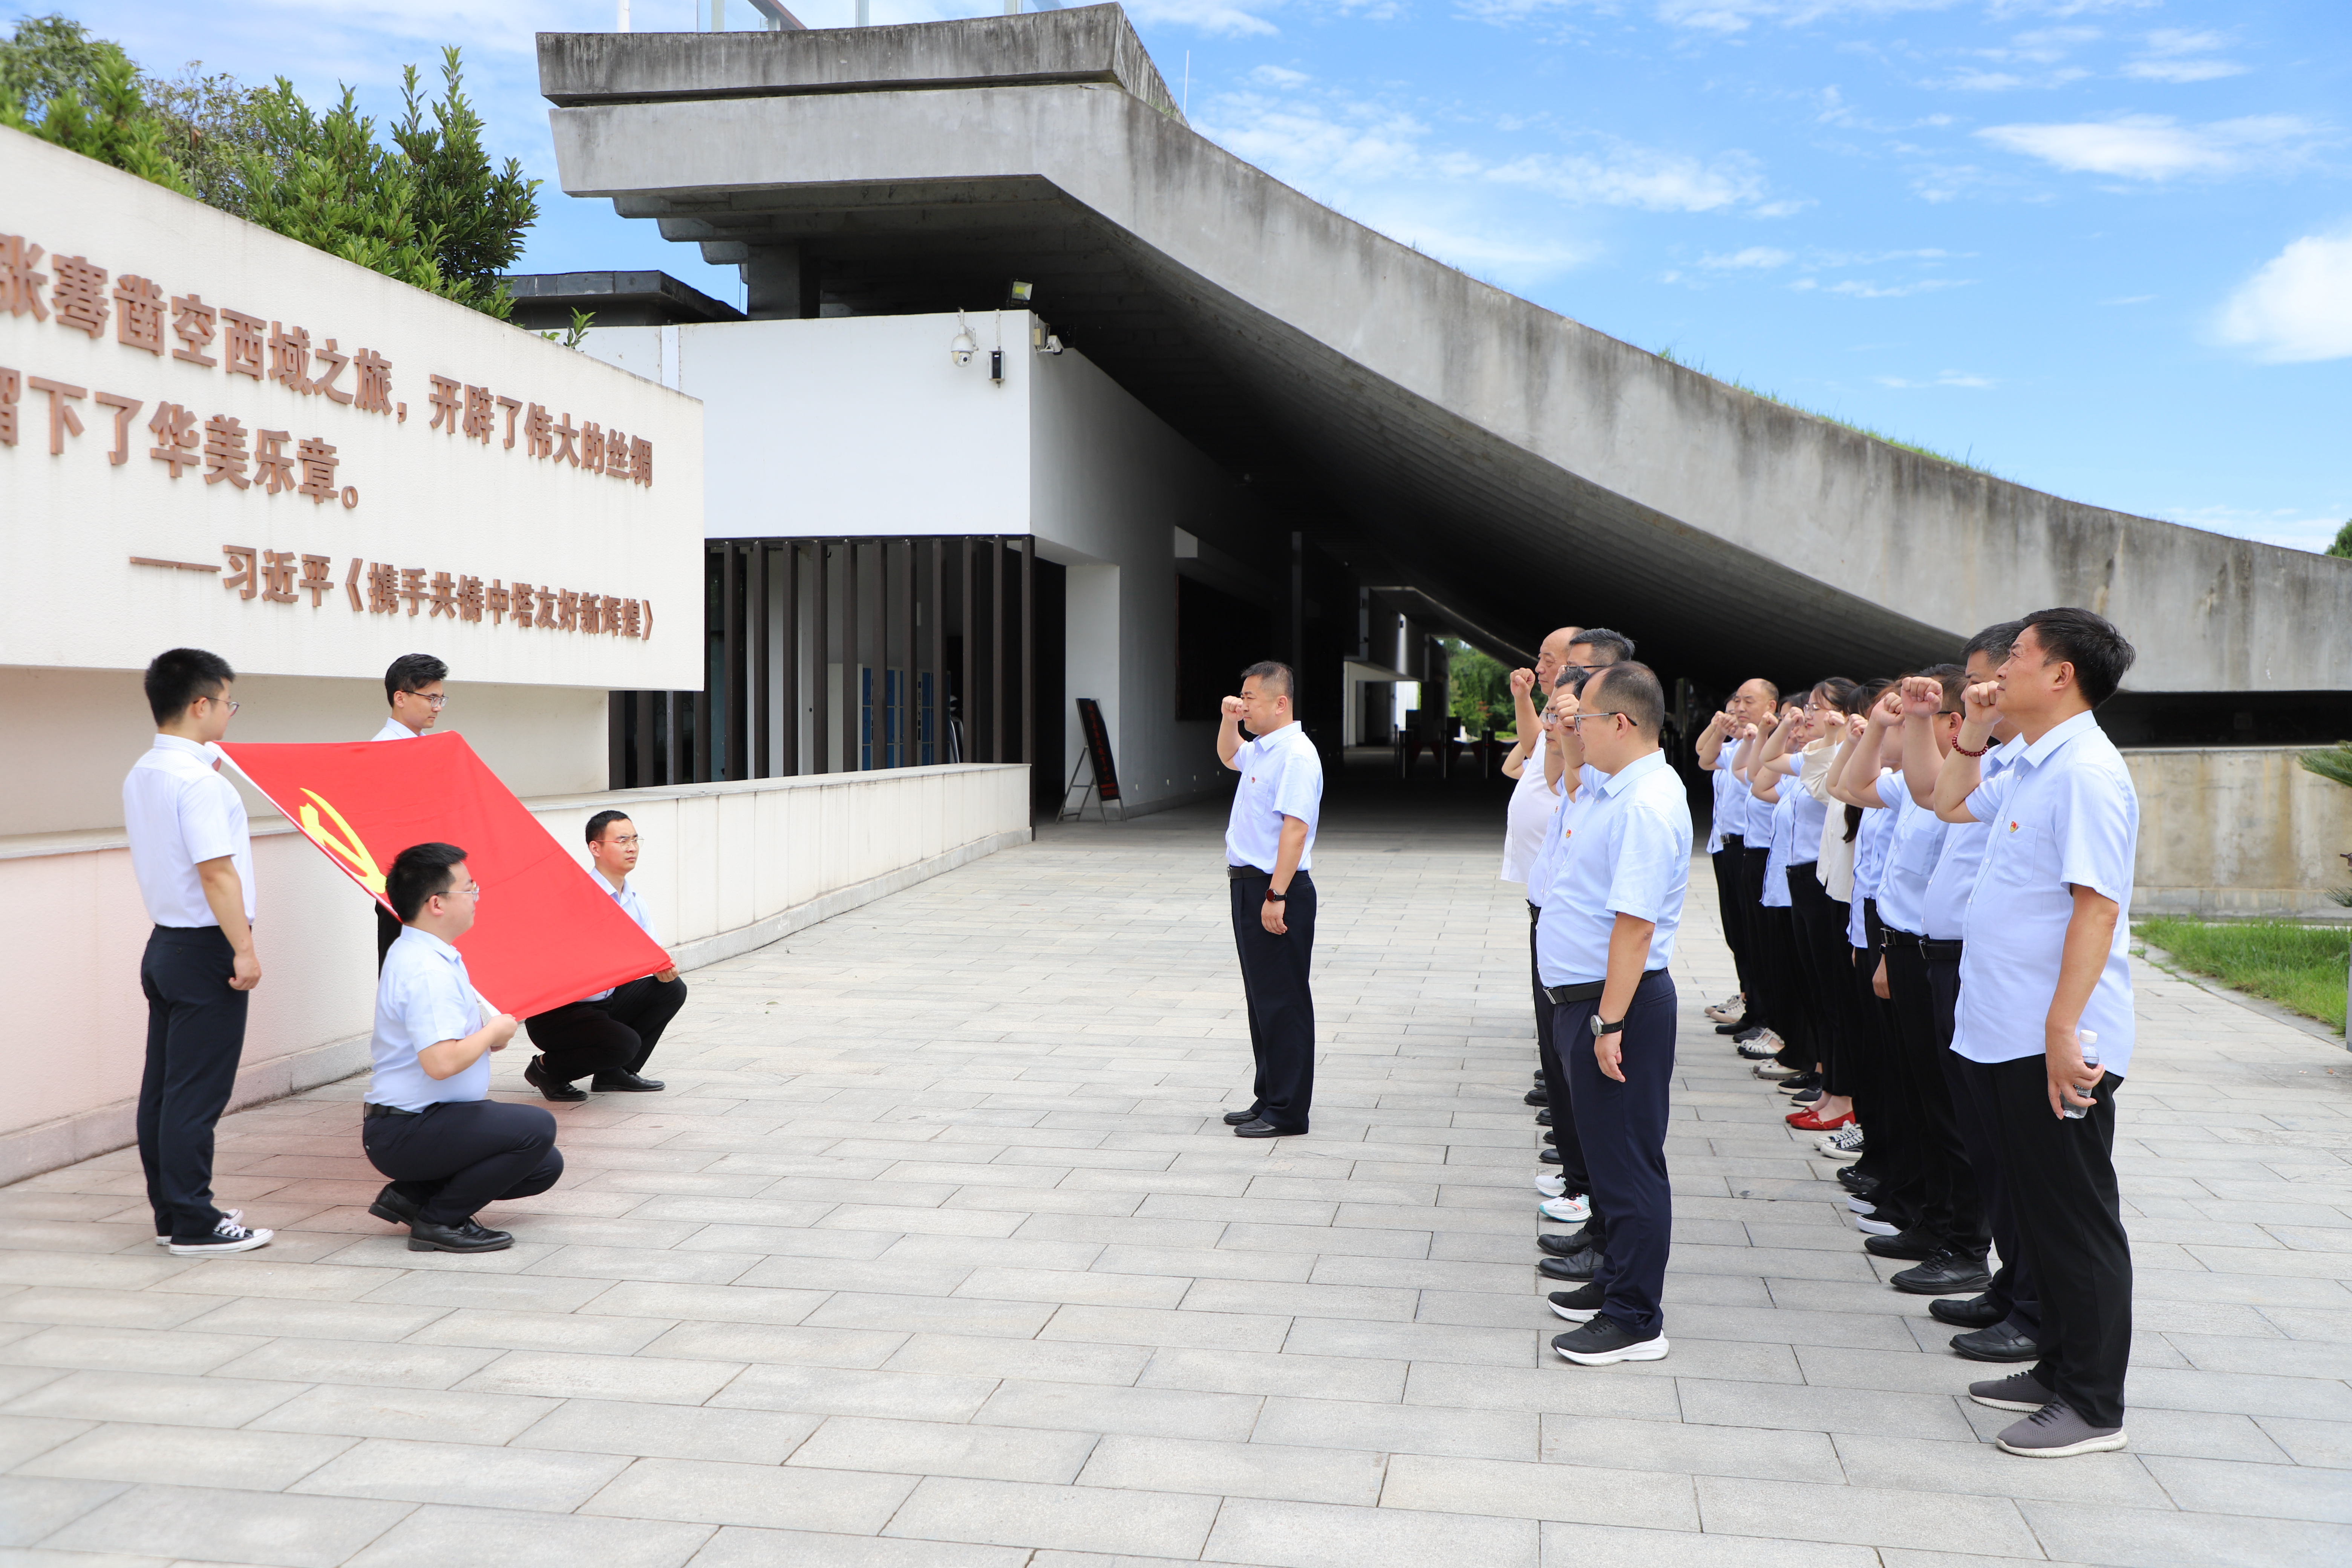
(2089, 1040)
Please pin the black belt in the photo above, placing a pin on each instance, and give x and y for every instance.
(1940, 951)
(1585, 991)
(1242, 873)
(1891, 937)
(375, 1111)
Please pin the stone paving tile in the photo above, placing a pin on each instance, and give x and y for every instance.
(936, 1255)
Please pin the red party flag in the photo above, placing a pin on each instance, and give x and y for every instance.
(546, 933)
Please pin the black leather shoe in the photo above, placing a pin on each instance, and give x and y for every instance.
(1942, 1272)
(393, 1206)
(1264, 1129)
(1803, 1080)
(425, 1236)
(1536, 1097)
(1734, 1030)
(625, 1083)
(1910, 1246)
(1576, 1270)
(536, 1075)
(1567, 1244)
(1976, 1313)
(1549, 1156)
(1543, 1118)
(1240, 1118)
(1539, 1080)
(1998, 1343)
(1552, 1139)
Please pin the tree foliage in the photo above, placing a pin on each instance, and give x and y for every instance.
(475, 217)
(2342, 545)
(2335, 763)
(211, 125)
(83, 94)
(1478, 688)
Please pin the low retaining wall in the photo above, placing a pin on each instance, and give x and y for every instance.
(726, 867)
(2241, 830)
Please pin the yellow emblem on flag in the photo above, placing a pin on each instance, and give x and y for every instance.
(348, 848)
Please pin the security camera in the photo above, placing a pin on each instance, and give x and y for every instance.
(964, 344)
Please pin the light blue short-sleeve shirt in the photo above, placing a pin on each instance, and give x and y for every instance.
(1281, 775)
(1911, 853)
(1731, 797)
(1626, 852)
(2064, 815)
(1945, 908)
(1870, 842)
(423, 997)
(1781, 815)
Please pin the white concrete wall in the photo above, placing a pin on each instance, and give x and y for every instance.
(2241, 830)
(727, 867)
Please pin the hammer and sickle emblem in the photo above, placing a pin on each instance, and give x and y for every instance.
(347, 848)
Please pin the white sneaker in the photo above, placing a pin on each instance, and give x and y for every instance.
(1571, 1208)
(1865, 1224)
(1732, 1007)
(1552, 1184)
(1845, 1143)
(232, 1216)
(1860, 1206)
(226, 1236)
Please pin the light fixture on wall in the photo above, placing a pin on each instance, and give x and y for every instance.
(1042, 339)
(1018, 293)
(964, 344)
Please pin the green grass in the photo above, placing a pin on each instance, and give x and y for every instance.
(2301, 966)
(1668, 354)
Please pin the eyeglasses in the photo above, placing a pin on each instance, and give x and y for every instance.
(630, 840)
(1577, 718)
(474, 892)
(433, 702)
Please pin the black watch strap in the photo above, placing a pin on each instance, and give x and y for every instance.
(1274, 897)
(1602, 1026)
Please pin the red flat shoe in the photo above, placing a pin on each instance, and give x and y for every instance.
(1806, 1122)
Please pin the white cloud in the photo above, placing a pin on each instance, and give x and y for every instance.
(2298, 306)
(1941, 378)
(1275, 76)
(2181, 55)
(2156, 147)
(1861, 289)
(2295, 528)
(1756, 256)
(1213, 16)
(1628, 177)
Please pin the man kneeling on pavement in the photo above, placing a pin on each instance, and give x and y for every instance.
(430, 1122)
(607, 1038)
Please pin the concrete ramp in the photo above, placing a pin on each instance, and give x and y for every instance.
(1425, 427)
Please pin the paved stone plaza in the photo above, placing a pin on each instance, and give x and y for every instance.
(936, 1255)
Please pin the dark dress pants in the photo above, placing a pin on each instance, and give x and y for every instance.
(2012, 1287)
(195, 1033)
(1730, 907)
(1622, 1129)
(1281, 1005)
(613, 1035)
(2072, 1233)
(1558, 1087)
(455, 1159)
(1773, 939)
(1822, 963)
(1876, 1019)
(1948, 1202)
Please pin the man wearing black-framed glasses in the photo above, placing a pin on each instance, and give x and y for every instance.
(412, 687)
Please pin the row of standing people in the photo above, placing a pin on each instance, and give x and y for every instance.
(429, 1124)
(1926, 883)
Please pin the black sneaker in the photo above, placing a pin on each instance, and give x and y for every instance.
(1578, 1304)
(1998, 1343)
(1567, 1244)
(1976, 1313)
(226, 1236)
(535, 1075)
(1912, 1246)
(1854, 1181)
(1604, 1341)
(465, 1236)
(1941, 1273)
(1803, 1080)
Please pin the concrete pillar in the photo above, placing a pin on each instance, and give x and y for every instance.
(777, 286)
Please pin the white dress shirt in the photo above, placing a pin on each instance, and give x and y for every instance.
(1530, 811)
(1280, 777)
(2064, 815)
(625, 895)
(394, 729)
(179, 813)
(423, 997)
(1625, 848)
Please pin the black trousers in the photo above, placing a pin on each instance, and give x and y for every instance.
(455, 1159)
(1772, 946)
(195, 1033)
(1876, 1021)
(1822, 963)
(2072, 1233)
(1281, 1004)
(1729, 906)
(387, 931)
(2012, 1287)
(1622, 1128)
(1558, 1087)
(616, 1035)
(1948, 1201)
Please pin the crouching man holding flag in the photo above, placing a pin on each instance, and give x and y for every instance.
(431, 1125)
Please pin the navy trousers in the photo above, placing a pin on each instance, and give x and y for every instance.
(1622, 1129)
(195, 1033)
(454, 1159)
(616, 1035)
(2012, 1287)
(1730, 907)
(1281, 1006)
(1558, 1087)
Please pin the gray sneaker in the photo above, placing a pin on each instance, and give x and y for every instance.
(2055, 1432)
(2018, 1391)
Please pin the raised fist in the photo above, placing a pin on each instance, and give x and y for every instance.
(1923, 695)
(1857, 725)
(1233, 707)
(1983, 698)
(1522, 682)
(1888, 709)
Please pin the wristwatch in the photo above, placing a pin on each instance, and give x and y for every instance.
(1600, 1028)
(1274, 897)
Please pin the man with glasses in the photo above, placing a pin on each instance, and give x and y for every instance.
(194, 860)
(412, 687)
(1612, 904)
(607, 1038)
(430, 1123)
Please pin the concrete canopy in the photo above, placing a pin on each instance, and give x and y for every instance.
(1423, 426)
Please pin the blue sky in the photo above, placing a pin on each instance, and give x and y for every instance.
(2100, 247)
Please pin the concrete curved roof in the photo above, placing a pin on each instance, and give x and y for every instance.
(1431, 428)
